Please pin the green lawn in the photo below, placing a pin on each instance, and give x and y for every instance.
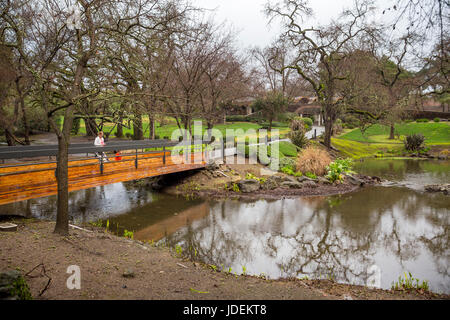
(435, 133)
(375, 141)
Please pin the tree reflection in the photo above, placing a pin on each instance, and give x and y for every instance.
(338, 237)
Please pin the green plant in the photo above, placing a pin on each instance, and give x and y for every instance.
(235, 187)
(98, 223)
(287, 162)
(414, 142)
(298, 138)
(298, 174)
(338, 168)
(128, 234)
(436, 120)
(422, 120)
(179, 250)
(311, 175)
(410, 283)
(288, 170)
(244, 270)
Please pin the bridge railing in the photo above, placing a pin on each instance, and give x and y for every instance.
(131, 151)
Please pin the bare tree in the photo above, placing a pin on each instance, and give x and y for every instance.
(63, 60)
(320, 51)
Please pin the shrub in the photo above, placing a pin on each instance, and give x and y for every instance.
(287, 162)
(287, 116)
(338, 168)
(299, 123)
(414, 142)
(311, 175)
(288, 171)
(313, 160)
(308, 123)
(298, 138)
(422, 120)
(436, 120)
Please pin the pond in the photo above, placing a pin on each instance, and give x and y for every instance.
(385, 230)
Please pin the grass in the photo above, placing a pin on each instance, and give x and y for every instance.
(357, 150)
(376, 140)
(286, 148)
(435, 133)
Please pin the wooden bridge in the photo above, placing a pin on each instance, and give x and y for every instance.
(35, 176)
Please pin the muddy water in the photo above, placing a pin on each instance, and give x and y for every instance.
(377, 233)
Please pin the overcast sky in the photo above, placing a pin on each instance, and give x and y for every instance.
(247, 16)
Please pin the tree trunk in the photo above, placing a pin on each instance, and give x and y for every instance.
(328, 131)
(119, 131)
(151, 126)
(91, 127)
(25, 123)
(392, 132)
(9, 138)
(62, 217)
(137, 127)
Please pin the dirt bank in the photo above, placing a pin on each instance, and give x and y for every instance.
(119, 268)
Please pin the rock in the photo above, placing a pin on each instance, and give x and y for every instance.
(354, 180)
(442, 156)
(309, 184)
(323, 180)
(13, 286)
(270, 184)
(444, 188)
(128, 273)
(212, 166)
(288, 179)
(291, 184)
(249, 185)
(6, 226)
(304, 178)
(277, 179)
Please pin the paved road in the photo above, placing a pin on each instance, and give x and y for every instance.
(319, 131)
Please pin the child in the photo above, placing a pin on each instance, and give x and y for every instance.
(118, 156)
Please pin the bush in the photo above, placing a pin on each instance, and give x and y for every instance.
(298, 138)
(287, 116)
(313, 160)
(287, 162)
(311, 175)
(288, 171)
(414, 142)
(436, 120)
(338, 168)
(308, 123)
(299, 123)
(422, 120)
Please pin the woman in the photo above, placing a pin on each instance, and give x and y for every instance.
(100, 142)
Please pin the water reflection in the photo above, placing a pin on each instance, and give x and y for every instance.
(339, 237)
